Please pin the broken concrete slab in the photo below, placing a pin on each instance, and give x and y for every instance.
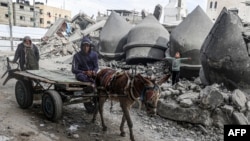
(113, 36)
(146, 42)
(173, 111)
(187, 38)
(192, 96)
(222, 51)
(55, 28)
(212, 100)
(240, 118)
(239, 99)
(186, 103)
(77, 35)
(82, 20)
(220, 118)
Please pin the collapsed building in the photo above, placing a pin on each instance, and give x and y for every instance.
(63, 37)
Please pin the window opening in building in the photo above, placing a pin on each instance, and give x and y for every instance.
(31, 19)
(4, 4)
(21, 7)
(48, 22)
(41, 11)
(49, 14)
(22, 18)
(41, 21)
(31, 9)
(211, 4)
(6, 15)
(215, 5)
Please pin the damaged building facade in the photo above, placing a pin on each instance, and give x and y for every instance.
(241, 7)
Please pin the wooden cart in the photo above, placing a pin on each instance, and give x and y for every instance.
(56, 89)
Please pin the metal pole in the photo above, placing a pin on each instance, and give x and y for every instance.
(10, 24)
(34, 13)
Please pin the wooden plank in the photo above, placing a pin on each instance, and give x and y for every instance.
(57, 77)
(26, 74)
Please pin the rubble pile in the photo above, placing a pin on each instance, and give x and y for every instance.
(57, 46)
(212, 106)
(192, 102)
(225, 52)
(187, 38)
(62, 38)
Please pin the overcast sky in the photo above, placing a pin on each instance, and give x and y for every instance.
(91, 7)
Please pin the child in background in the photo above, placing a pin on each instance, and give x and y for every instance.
(176, 63)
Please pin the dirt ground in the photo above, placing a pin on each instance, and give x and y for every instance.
(17, 124)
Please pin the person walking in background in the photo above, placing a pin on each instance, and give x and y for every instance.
(28, 55)
(85, 62)
(176, 63)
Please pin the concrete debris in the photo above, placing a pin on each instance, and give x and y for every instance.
(189, 101)
(82, 20)
(146, 42)
(212, 106)
(174, 111)
(240, 118)
(89, 30)
(223, 49)
(212, 100)
(64, 36)
(58, 27)
(239, 99)
(114, 36)
(228, 109)
(188, 37)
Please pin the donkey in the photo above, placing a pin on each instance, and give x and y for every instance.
(126, 89)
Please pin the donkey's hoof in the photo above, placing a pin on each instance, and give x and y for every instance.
(104, 129)
(123, 134)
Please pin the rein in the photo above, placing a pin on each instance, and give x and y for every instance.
(142, 92)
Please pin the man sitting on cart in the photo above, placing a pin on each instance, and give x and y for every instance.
(85, 63)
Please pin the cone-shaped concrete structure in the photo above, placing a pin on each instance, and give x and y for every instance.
(224, 54)
(113, 36)
(188, 38)
(146, 42)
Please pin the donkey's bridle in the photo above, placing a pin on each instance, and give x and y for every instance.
(143, 91)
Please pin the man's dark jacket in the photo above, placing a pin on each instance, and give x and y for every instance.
(20, 54)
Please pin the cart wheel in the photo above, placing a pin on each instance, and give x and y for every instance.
(52, 105)
(24, 96)
(90, 106)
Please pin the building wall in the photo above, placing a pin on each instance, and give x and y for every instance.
(214, 8)
(175, 11)
(4, 16)
(48, 15)
(23, 15)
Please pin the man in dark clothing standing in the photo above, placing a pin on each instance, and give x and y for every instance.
(85, 62)
(27, 54)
